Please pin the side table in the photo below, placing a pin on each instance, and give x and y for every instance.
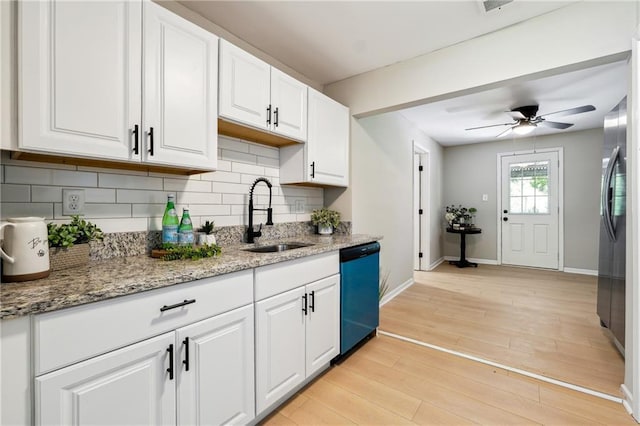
(463, 262)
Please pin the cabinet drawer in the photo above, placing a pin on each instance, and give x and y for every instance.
(70, 335)
(280, 277)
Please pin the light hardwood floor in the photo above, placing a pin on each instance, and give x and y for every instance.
(540, 321)
(535, 320)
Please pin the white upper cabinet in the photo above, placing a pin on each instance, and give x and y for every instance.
(324, 159)
(81, 82)
(258, 95)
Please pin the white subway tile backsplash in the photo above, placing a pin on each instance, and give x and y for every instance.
(110, 180)
(127, 201)
(264, 151)
(141, 196)
(234, 156)
(15, 193)
(26, 209)
(199, 198)
(193, 185)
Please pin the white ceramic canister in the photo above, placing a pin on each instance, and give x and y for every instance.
(25, 249)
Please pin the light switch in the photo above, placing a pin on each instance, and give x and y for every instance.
(485, 197)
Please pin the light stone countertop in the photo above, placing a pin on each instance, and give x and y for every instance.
(121, 276)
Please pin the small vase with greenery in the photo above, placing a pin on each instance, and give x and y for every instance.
(326, 220)
(207, 237)
(69, 242)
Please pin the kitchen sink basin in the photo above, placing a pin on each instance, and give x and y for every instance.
(274, 248)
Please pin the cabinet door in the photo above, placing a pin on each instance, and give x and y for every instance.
(280, 346)
(129, 386)
(79, 77)
(289, 103)
(323, 323)
(180, 91)
(218, 388)
(327, 141)
(244, 87)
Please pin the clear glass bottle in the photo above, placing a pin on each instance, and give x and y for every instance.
(185, 230)
(170, 222)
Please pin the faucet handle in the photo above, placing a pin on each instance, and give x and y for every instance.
(258, 233)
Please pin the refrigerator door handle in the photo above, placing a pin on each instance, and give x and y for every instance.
(607, 195)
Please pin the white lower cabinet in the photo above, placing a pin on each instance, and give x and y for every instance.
(129, 386)
(297, 333)
(216, 370)
(201, 374)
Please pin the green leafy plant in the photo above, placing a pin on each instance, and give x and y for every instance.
(189, 252)
(325, 217)
(207, 227)
(384, 284)
(78, 231)
(459, 214)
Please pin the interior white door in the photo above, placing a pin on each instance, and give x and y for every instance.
(129, 386)
(180, 91)
(79, 77)
(323, 322)
(280, 346)
(218, 387)
(530, 209)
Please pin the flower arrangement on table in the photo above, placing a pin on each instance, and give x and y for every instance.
(457, 216)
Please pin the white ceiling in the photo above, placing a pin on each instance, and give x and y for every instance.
(329, 41)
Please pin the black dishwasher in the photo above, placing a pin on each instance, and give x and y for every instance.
(359, 282)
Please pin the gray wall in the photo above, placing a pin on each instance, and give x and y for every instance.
(380, 198)
(471, 170)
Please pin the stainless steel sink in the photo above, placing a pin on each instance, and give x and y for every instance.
(274, 248)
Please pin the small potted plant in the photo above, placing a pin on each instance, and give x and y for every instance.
(69, 242)
(326, 220)
(207, 236)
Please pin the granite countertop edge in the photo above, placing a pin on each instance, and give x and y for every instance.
(106, 279)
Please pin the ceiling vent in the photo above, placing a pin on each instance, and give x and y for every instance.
(489, 5)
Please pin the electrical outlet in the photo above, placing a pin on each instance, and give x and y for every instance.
(72, 201)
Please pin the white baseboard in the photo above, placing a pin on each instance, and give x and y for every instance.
(435, 264)
(627, 400)
(474, 260)
(396, 291)
(581, 271)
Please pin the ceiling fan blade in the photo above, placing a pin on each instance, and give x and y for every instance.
(516, 115)
(492, 125)
(572, 111)
(556, 125)
(505, 133)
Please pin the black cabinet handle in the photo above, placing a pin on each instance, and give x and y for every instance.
(150, 140)
(135, 139)
(313, 169)
(275, 117)
(177, 305)
(304, 303)
(185, 342)
(170, 369)
(312, 303)
(269, 114)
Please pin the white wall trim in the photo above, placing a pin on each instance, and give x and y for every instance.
(560, 151)
(473, 259)
(591, 272)
(396, 291)
(435, 264)
(627, 399)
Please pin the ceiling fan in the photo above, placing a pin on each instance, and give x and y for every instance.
(525, 119)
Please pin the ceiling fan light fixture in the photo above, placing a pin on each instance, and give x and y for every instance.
(524, 128)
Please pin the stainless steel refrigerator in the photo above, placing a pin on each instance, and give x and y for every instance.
(613, 227)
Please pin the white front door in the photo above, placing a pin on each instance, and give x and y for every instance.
(530, 210)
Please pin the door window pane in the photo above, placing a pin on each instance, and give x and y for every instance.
(529, 188)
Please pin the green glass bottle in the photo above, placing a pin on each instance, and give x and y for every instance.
(185, 231)
(170, 222)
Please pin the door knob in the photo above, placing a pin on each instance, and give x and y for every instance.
(505, 219)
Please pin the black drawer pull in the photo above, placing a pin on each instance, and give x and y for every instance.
(177, 305)
(312, 304)
(304, 303)
(185, 342)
